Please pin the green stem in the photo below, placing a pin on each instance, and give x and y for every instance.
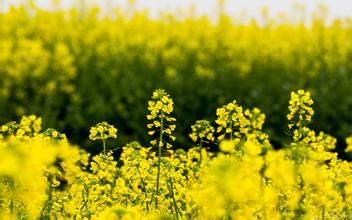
(85, 194)
(323, 206)
(170, 186)
(159, 159)
(152, 198)
(231, 123)
(173, 196)
(50, 195)
(11, 183)
(144, 190)
(200, 152)
(104, 146)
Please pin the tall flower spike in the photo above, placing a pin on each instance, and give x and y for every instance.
(300, 109)
(161, 123)
(160, 108)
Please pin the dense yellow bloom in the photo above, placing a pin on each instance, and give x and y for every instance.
(23, 173)
(31, 124)
(202, 131)
(102, 131)
(236, 123)
(43, 176)
(300, 109)
(161, 123)
(256, 118)
(231, 120)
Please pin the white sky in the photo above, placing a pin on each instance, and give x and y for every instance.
(252, 8)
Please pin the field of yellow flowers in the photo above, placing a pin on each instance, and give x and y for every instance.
(43, 176)
(89, 144)
(96, 67)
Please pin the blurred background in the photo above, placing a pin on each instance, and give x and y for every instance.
(76, 63)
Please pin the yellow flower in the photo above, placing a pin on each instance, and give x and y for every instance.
(349, 145)
(4, 128)
(20, 132)
(100, 129)
(252, 149)
(55, 134)
(227, 146)
(112, 132)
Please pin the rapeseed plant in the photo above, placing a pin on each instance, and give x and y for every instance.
(103, 131)
(43, 176)
(160, 107)
(203, 133)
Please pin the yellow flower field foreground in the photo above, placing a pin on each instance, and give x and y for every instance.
(43, 176)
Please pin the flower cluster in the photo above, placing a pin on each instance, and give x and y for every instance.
(29, 126)
(349, 144)
(241, 125)
(202, 131)
(161, 123)
(102, 131)
(255, 118)
(231, 120)
(9, 129)
(54, 134)
(300, 109)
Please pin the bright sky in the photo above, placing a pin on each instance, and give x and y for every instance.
(252, 8)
